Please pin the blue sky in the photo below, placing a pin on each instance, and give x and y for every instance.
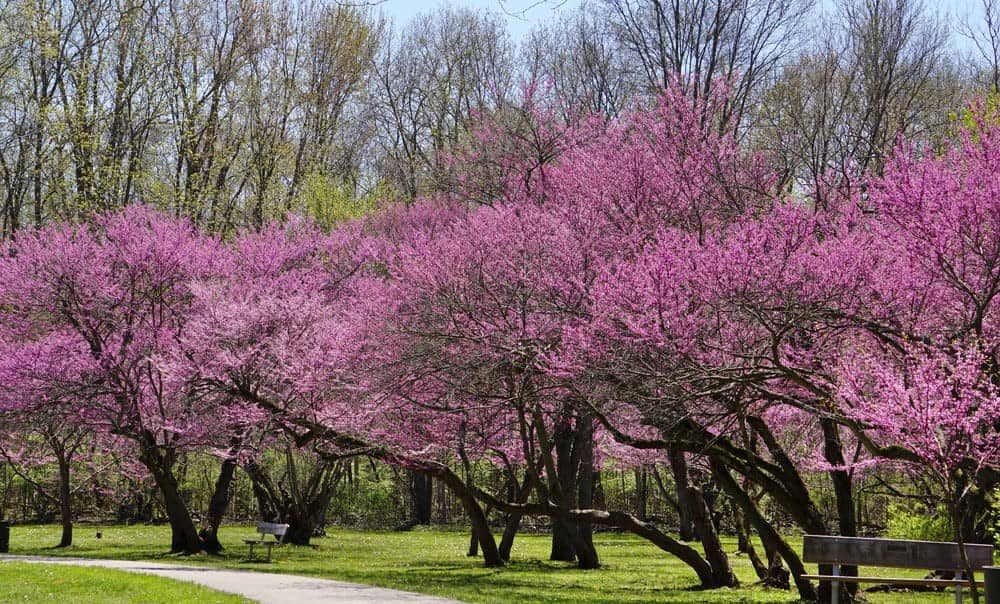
(521, 15)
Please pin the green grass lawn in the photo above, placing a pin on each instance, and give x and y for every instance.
(434, 562)
(36, 583)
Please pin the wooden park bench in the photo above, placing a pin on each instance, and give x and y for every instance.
(894, 553)
(265, 529)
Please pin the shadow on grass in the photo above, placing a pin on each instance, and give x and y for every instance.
(434, 562)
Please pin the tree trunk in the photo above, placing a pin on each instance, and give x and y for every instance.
(300, 528)
(514, 518)
(843, 490)
(509, 532)
(304, 517)
(566, 469)
(641, 492)
(562, 541)
(745, 544)
(184, 534)
(678, 468)
(65, 504)
(300, 531)
(473, 551)
(574, 445)
(421, 498)
(299, 501)
(477, 518)
(714, 554)
(586, 553)
(768, 534)
(217, 507)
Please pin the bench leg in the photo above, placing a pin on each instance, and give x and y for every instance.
(958, 587)
(835, 586)
(269, 555)
(250, 557)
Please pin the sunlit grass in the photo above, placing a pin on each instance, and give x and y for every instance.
(434, 562)
(31, 583)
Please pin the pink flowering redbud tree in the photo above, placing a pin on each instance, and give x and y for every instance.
(468, 310)
(117, 294)
(934, 313)
(42, 429)
(717, 302)
(934, 411)
(715, 330)
(472, 315)
(266, 342)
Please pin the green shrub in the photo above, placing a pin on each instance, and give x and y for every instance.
(370, 504)
(916, 522)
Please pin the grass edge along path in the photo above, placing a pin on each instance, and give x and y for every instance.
(30, 583)
(433, 562)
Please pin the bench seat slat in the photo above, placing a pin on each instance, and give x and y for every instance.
(892, 580)
(265, 529)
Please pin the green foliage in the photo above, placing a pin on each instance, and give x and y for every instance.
(915, 522)
(330, 201)
(366, 504)
(30, 583)
(977, 114)
(993, 516)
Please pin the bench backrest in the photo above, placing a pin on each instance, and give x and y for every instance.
(272, 528)
(930, 555)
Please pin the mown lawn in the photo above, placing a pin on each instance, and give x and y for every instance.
(37, 583)
(434, 562)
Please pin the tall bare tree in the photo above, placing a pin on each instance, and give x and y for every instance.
(579, 56)
(879, 69)
(985, 37)
(702, 42)
(430, 83)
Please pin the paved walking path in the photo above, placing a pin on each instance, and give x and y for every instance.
(267, 588)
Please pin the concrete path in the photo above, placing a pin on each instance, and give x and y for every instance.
(267, 588)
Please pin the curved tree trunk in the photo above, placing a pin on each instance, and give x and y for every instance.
(477, 518)
(745, 546)
(768, 534)
(685, 553)
(624, 521)
(480, 526)
(722, 572)
(217, 507)
(184, 534)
